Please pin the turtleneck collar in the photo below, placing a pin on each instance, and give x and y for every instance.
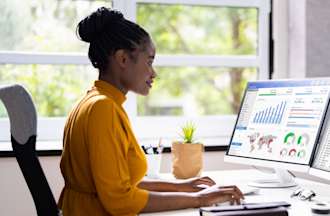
(110, 90)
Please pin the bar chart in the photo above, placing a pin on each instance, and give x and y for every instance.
(271, 114)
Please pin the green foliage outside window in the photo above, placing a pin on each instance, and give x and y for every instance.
(54, 89)
(178, 29)
(49, 26)
(181, 29)
(46, 26)
(194, 91)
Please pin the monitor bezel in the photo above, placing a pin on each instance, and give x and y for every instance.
(315, 171)
(303, 167)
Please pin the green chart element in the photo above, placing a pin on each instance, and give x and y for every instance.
(303, 139)
(288, 136)
(301, 154)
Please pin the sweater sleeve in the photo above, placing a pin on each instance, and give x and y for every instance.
(108, 148)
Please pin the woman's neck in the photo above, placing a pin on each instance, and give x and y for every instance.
(113, 80)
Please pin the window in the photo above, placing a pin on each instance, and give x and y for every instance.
(206, 52)
(39, 49)
(195, 91)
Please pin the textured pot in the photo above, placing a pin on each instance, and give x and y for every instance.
(187, 159)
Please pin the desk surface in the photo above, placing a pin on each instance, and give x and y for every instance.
(242, 177)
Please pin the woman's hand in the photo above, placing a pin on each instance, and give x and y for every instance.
(209, 197)
(192, 185)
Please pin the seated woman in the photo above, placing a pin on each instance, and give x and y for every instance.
(102, 163)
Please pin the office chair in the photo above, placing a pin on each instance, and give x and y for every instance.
(23, 127)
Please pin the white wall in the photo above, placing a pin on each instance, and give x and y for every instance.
(289, 37)
(15, 198)
(301, 38)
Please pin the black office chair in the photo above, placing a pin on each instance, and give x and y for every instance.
(23, 127)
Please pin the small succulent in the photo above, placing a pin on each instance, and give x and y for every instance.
(188, 132)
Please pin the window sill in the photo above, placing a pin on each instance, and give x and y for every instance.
(6, 150)
(206, 148)
(44, 148)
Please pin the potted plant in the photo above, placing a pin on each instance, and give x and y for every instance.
(187, 155)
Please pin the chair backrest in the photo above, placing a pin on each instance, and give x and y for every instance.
(23, 127)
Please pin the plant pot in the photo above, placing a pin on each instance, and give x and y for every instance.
(187, 159)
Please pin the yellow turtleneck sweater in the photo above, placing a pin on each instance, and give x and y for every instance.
(101, 162)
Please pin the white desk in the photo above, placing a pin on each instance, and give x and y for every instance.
(241, 177)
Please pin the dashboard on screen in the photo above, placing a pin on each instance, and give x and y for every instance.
(280, 120)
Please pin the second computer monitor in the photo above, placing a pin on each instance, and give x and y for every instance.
(321, 161)
(279, 123)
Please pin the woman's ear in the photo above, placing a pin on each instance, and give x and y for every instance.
(121, 57)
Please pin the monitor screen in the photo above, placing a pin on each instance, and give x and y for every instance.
(280, 120)
(321, 161)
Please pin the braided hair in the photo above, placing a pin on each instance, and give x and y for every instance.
(108, 31)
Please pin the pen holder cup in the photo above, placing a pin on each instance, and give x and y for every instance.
(154, 161)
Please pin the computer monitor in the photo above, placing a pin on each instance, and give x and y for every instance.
(321, 161)
(278, 126)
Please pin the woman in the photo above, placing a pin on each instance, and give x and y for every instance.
(102, 163)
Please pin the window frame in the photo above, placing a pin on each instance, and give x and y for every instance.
(154, 127)
(216, 129)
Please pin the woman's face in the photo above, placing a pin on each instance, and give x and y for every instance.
(140, 73)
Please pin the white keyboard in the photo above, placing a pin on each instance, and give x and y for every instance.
(246, 190)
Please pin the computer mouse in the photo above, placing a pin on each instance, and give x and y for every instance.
(321, 208)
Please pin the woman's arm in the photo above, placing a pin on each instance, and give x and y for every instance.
(164, 201)
(160, 186)
(189, 185)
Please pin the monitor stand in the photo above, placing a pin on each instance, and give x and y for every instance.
(284, 179)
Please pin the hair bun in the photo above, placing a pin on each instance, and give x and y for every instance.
(93, 25)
